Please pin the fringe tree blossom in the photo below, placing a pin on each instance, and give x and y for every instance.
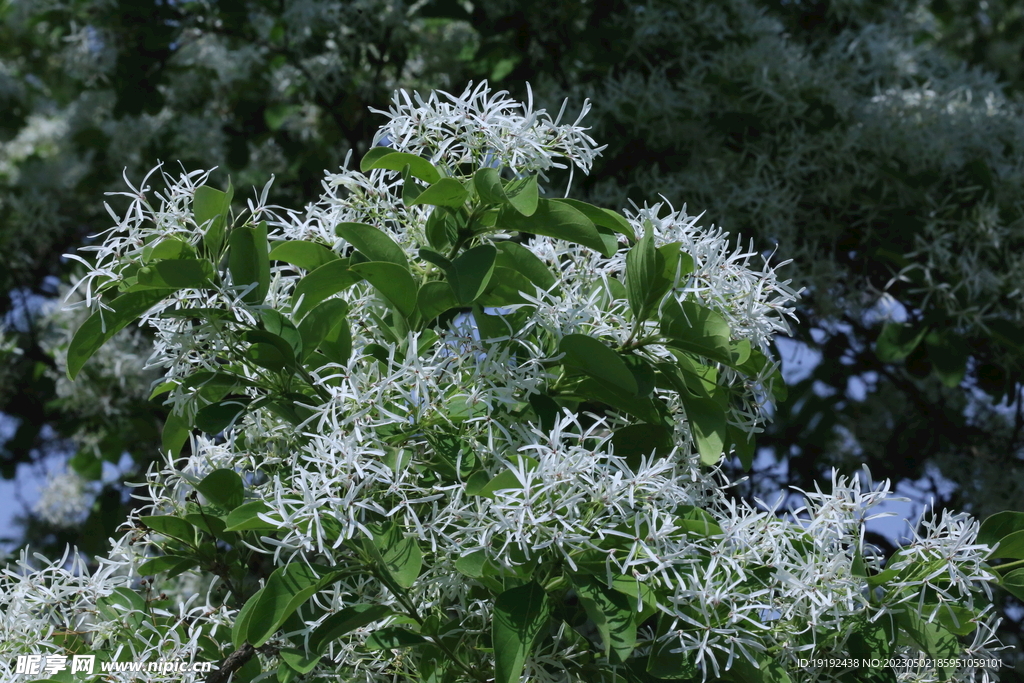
(443, 426)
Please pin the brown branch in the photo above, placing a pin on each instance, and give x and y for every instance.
(235, 661)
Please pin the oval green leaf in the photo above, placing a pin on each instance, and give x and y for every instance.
(597, 360)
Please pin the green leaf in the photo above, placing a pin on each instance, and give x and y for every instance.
(269, 350)
(326, 328)
(441, 229)
(472, 565)
(298, 661)
(400, 556)
(643, 373)
(223, 487)
(325, 281)
(479, 485)
(612, 616)
(445, 192)
(771, 671)
(211, 524)
(159, 564)
(306, 255)
(174, 527)
(744, 444)
(635, 442)
(598, 361)
(665, 664)
(104, 324)
(372, 243)
(168, 249)
(397, 161)
(268, 356)
(393, 638)
(240, 629)
(644, 265)
(87, 465)
(216, 417)
(345, 621)
(249, 262)
(519, 258)
(487, 182)
(522, 195)
(696, 329)
(678, 264)
(520, 615)
(286, 589)
(411, 190)
(954, 618)
(210, 208)
(372, 155)
(204, 379)
(245, 517)
(281, 327)
(1014, 583)
(708, 426)
(644, 408)
(948, 353)
(896, 341)
(1011, 546)
(476, 483)
(871, 640)
(174, 274)
(471, 272)
(434, 298)
(439, 260)
(605, 218)
(505, 288)
(175, 434)
(935, 641)
(558, 220)
(124, 605)
(699, 527)
(1000, 525)
(393, 281)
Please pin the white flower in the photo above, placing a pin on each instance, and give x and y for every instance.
(482, 128)
(64, 500)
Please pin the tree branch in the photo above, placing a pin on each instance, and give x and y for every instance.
(235, 661)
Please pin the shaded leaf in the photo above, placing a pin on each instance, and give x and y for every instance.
(397, 161)
(325, 281)
(345, 621)
(249, 261)
(375, 244)
(306, 255)
(326, 328)
(434, 298)
(557, 220)
(104, 324)
(445, 192)
(519, 616)
(391, 280)
(597, 360)
(896, 341)
(470, 273)
(694, 328)
(223, 487)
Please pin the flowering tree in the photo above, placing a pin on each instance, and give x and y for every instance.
(444, 428)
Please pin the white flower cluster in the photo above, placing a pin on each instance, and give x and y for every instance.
(142, 225)
(64, 500)
(432, 431)
(482, 128)
(56, 607)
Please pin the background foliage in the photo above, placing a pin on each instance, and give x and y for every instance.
(878, 142)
